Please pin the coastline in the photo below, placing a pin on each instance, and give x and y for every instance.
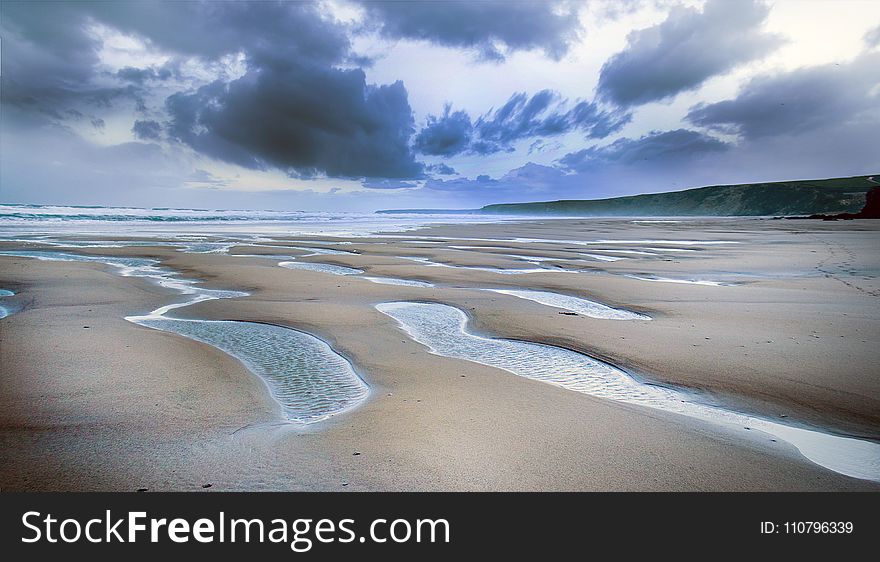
(425, 426)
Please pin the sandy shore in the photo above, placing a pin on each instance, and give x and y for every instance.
(117, 406)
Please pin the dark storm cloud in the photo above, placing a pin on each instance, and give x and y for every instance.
(685, 50)
(50, 59)
(147, 130)
(664, 148)
(143, 75)
(544, 114)
(483, 26)
(294, 108)
(806, 99)
(521, 117)
(441, 169)
(213, 29)
(305, 119)
(446, 135)
(47, 56)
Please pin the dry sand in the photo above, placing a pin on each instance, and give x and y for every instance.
(117, 406)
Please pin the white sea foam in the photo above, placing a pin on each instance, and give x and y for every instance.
(17, 220)
(443, 329)
(573, 304)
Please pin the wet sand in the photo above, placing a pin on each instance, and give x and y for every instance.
(119, 406)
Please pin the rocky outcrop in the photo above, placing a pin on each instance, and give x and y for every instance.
(871, 210)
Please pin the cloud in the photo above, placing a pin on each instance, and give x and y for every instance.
(47, 58)
(441, 169)
(492, 29)
(654, 162)
(481, 182)
(304, 119)
(204, 179)
(143, 75)
(447, 135)
(684, 51)
(872, 37)
(665, 148)
(803, 100)
(278, 86)
(386, 183)
(529, 179)
(211, 30)
(147, 130)
(545, 114)
(535, 176)
(295, 107)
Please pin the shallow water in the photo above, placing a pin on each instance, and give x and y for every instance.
(673, 242)
(503, 271)
(397, 281)
(634, 252)
(321, 251)
(683, 281)
(321, 267)
(670, 249)
(277, 257)
(604, 258)
(304, 375)
(206, 247)
(443, 329)
(533, 259)
(128, 266)
(4, 310)
(573, 304)
(508, 248)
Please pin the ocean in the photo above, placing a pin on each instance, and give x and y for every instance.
(59, 220)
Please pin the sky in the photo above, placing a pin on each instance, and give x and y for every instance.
(349, 105)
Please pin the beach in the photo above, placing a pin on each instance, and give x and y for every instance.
(773, 319)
